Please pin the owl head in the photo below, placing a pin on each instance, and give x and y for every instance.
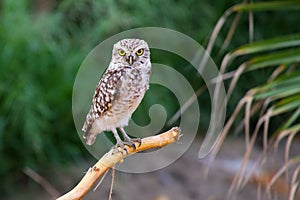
(131, 52)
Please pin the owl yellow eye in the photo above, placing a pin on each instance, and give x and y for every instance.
(139, 52)
(121, 52)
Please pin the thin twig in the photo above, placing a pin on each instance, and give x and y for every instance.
(251, 26)
(186, 105)
(113, 171)
(101, 180)
(42, 181)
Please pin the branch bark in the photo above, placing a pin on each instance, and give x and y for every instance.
(111, 158)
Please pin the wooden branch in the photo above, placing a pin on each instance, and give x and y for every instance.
(112, 157)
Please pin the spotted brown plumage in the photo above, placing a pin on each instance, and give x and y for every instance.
(119, 91)
(103, 97)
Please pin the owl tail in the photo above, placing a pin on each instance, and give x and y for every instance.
(88, 135)
(89, 138)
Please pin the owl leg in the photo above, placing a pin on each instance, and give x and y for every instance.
(116, 135)
(128, 140)
(119, 143)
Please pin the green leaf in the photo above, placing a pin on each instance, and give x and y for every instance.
(263, 6)
(287, 107)
(273, 59)
(281, 84)
(268, 45)
(291, 120)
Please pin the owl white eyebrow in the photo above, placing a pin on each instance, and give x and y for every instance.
(138, 48)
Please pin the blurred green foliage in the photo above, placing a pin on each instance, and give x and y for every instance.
(42, 45)
(37, 70)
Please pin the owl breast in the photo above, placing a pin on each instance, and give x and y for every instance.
(133, 86)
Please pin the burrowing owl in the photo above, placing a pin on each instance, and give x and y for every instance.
(119, 91)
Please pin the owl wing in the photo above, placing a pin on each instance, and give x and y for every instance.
(104, 95)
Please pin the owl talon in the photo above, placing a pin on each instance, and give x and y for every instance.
(124, 149)
(127, 142)
(119, 146)
(131, 142)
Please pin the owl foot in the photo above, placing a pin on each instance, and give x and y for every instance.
(120, 147)
(127, 142)
(131, 142)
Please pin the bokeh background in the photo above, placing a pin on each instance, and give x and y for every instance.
(42, 45)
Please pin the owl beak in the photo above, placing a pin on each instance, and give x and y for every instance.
(130, 60)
